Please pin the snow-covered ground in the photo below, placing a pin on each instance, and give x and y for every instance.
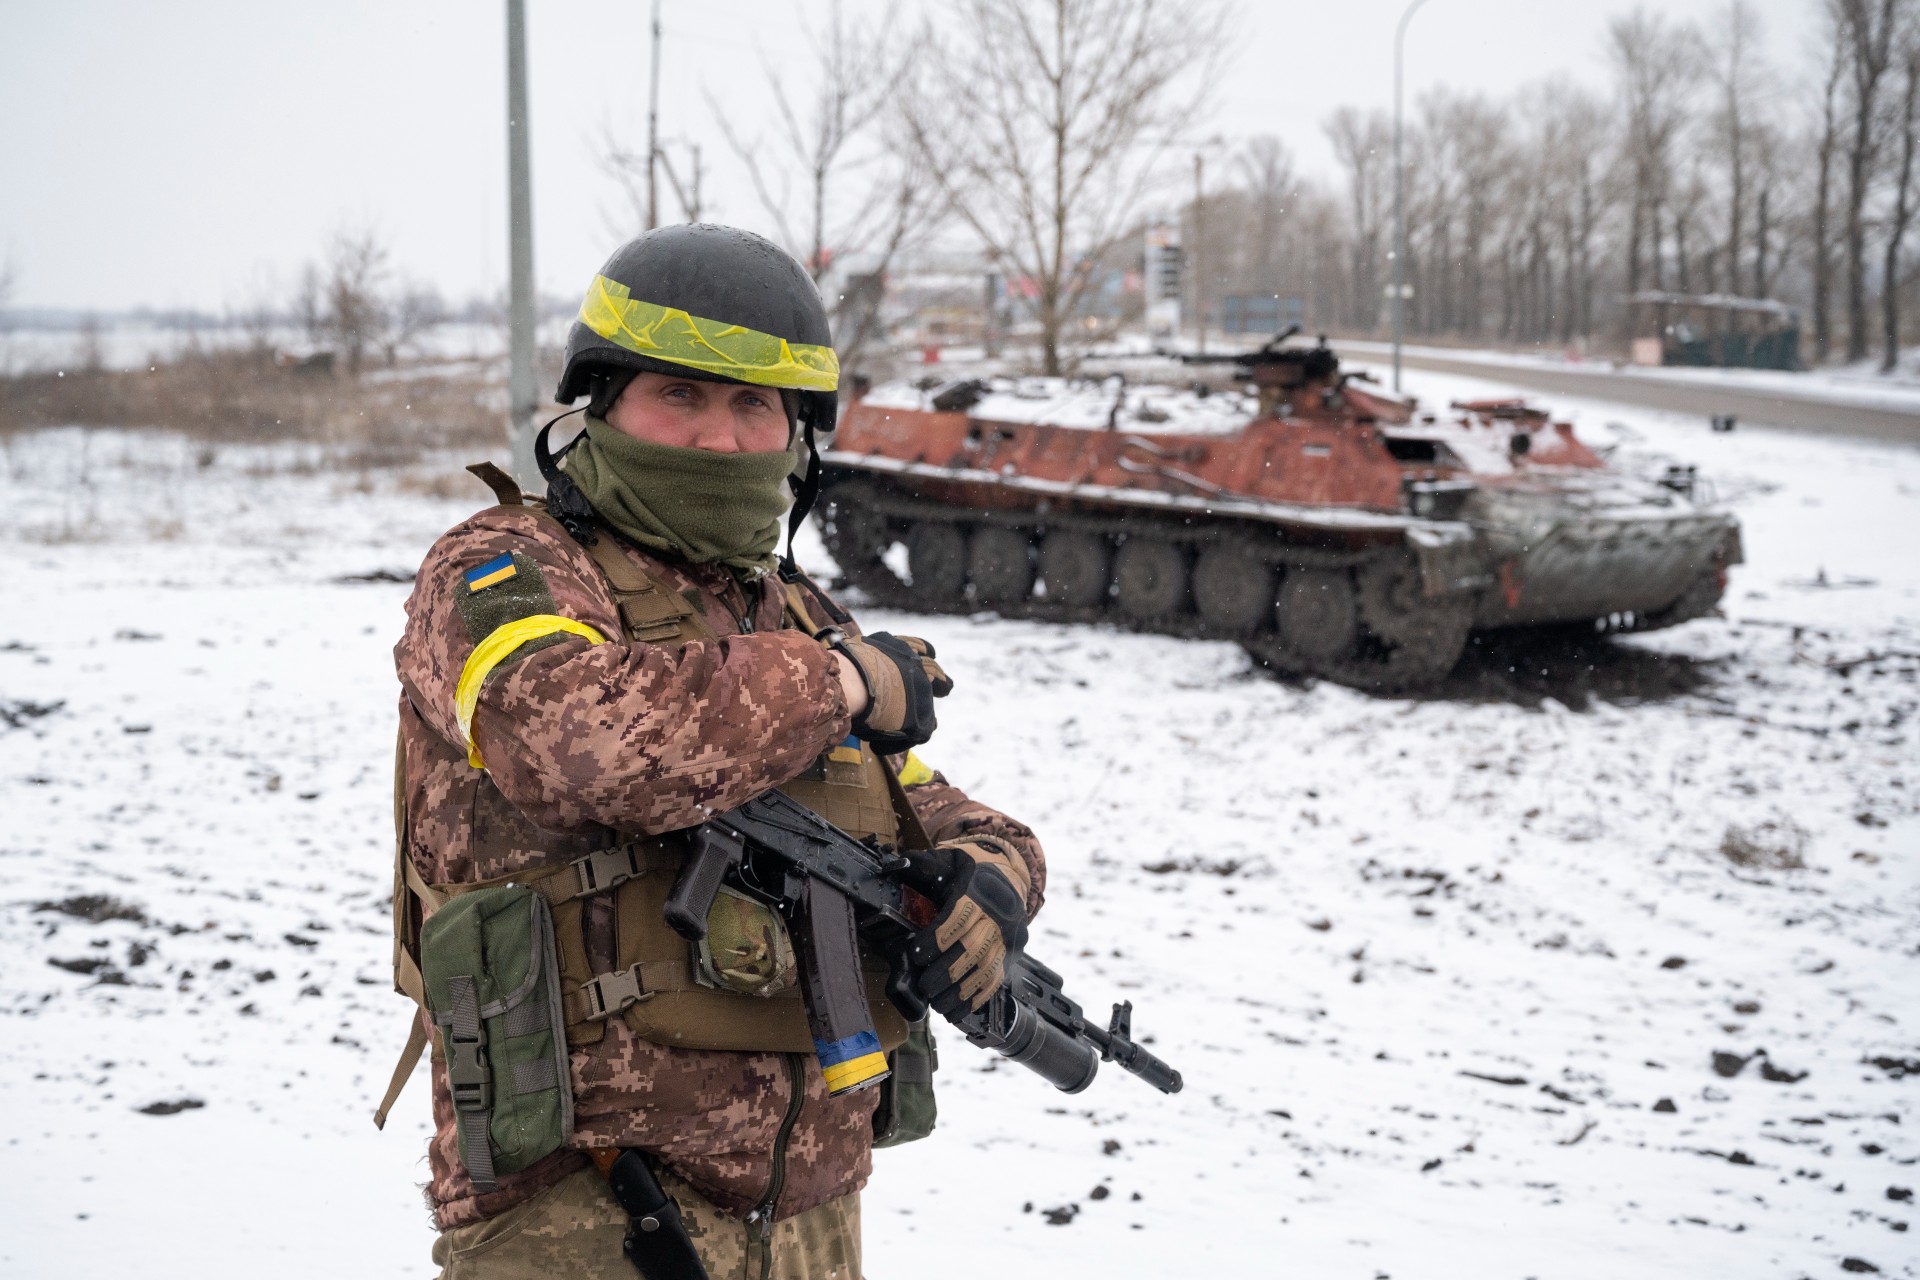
(128, 344)
(1449, 977)
(1862, 386)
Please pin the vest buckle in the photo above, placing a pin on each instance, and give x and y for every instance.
(605, 869)
(609, 994)
(469, 1076)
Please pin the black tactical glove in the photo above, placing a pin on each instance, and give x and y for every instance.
(962, 955)
(902, 681)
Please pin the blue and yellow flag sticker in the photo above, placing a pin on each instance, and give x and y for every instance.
(499, 569)
(847, 752)
(851, 1063)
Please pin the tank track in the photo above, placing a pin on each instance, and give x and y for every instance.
(1370, 625)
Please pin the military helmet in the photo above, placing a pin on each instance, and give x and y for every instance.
(709, 302)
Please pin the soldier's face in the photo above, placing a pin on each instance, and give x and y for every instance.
(686, 413)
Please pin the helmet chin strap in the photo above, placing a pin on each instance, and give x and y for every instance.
(565, 502)
(804, 493)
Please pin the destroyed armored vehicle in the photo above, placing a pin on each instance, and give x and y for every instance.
(1328, 527)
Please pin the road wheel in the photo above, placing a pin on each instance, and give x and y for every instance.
(1317, 614)
(1420, 637)
(937, 561)
(857, 537)
(1149, 579)
(1074, 566)
(1232, 589)
(1000, 567)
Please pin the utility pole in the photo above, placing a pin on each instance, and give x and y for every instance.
(1199, 241)
(523, 402)
(653, 125)
(1399, 198)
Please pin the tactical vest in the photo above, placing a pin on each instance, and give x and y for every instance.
(737, 994)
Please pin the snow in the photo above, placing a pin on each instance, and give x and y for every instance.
(1427, 964)
(1088, 405)
(1861, 386)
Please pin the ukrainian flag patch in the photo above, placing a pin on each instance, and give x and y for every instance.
(847, 752)
(497, 570)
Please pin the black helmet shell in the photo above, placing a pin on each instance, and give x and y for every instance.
(725, 280)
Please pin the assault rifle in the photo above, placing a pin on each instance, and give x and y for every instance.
(832, 890)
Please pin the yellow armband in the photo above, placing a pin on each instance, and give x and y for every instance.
(500, 645)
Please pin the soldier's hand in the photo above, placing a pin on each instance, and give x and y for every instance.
(962, 955)
(902, 680)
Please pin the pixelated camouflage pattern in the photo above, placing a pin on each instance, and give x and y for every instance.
(585, 740)
(575, 1229)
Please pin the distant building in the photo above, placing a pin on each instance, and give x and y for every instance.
(1714, 330)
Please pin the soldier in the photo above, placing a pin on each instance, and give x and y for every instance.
(584, 675)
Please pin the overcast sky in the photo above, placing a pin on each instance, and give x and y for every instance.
(196, 152)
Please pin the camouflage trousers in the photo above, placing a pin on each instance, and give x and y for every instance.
(574, 1229)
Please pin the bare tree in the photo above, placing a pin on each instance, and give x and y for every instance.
(1484, 163)
(628, 170)
(1688, 199)
(414, 309)
(310, 305)
(1042, 122)
(1657, 65)
(1768, 149)
(350, 280)
(1736, 76)
(1827, 148)
(840, 180)
(1867, 26)
(1266, 171)
(1902, 213)
(258, 311)
(1363, 143)
(852, 77)
(1575, 134)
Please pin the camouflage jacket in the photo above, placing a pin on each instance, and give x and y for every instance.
(581, 740)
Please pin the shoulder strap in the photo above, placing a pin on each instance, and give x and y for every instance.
(796, 613)
(913, 833)
(649, 610)
(800, 588)
(409, 892)
(505, 490)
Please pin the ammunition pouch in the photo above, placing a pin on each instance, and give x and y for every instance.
(906, 1112)
(492, 988)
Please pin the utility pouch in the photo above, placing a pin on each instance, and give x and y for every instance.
(493, 988)
(746, 948)
(906, 1112)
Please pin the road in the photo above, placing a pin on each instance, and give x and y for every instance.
(1759, 407)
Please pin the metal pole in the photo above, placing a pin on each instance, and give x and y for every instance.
(1199, 240)
(522, 400)
(1399, 197)
(653, 124)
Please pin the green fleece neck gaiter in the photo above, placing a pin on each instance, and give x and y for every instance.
(702, 506)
